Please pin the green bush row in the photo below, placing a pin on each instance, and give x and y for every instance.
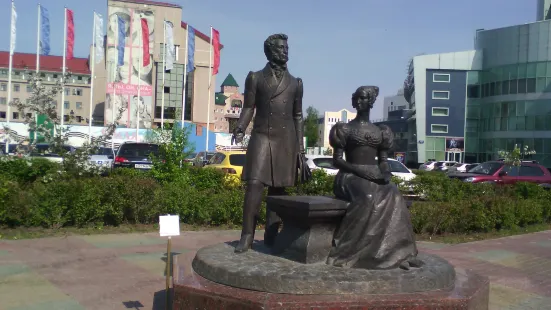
(38, 193)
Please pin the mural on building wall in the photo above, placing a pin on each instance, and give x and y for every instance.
(455, 144)
(132, 74)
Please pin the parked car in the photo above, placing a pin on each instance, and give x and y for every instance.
(201, 159)
(322, 162)
(461, 167)
(190, 158)
(136, 155)
(428, 166)
(400, 170)
(443, 165)
(102, 158)
(231, 162)
(500, 173)
(46, 151)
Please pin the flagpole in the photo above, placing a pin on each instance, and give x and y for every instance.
(10, 67)
(210, 80)
(37, 65)
(164, 69)
(63, 77)
(92, 78)
(140, 56)
(113, 98)
(185, 78)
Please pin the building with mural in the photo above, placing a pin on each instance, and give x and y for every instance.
(118, 85)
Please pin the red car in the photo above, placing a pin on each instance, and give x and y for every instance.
(500, 173)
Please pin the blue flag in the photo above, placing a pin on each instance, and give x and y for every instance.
(121, 40)
(190, 66)
(45, 31)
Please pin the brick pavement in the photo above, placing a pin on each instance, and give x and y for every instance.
(126, 271)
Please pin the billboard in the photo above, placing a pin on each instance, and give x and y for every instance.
(400, 156)
(123, 81)
(455, 144)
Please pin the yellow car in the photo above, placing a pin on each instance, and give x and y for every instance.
(230, 162)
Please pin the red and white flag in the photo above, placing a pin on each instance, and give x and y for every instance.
(216, 48)
(145, 42)
(70, 34)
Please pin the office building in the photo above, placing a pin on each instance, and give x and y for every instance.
(470, 105)
(77, 89)
(394, 103)
(328, 120)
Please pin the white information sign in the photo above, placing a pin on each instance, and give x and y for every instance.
(169, 225)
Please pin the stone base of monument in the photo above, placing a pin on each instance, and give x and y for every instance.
(293, 274)
(254, 280)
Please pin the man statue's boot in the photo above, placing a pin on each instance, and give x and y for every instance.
(272, 228)
(253, 200)
(273, 221)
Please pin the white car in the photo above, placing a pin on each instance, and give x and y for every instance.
(428, 166)
(326, 163)
(322, 162)
(399, 170)
(102, 158)
(462, 167)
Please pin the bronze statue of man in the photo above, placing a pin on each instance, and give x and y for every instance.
(276, 141)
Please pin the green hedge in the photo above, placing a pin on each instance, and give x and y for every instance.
(39, 193)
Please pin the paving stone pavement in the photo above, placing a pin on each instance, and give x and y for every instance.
(126, 271)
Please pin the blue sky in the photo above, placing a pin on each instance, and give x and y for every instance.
(334, 46)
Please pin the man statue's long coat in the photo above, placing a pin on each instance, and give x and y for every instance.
(276, 138)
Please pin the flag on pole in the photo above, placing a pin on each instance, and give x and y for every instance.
(190, 66)
(145, 43)
(45, 31)
(70, 34)
(98, 40)
(216, 48)
(13, 29)
(169, 52)
(121, 40)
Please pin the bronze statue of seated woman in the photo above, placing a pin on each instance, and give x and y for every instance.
(376, 232)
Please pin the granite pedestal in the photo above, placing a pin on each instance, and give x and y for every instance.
(293, 275)
(309, 223)
(193, 292)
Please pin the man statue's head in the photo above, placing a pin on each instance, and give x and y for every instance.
(276, 48)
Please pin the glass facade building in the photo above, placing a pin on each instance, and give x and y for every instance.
(509, 100)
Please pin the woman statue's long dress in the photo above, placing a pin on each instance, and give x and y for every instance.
(376, 232)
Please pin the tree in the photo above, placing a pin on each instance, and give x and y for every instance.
(328, 152)
(516, 156)
(49, 130)
(311, 129)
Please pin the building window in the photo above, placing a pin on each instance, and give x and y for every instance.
(2, 114)
(79, 119)
(15, 115)
(79, 105)
(3, 100)
(67, 91)
(29, 88)
(16, 87)
(438, 128)
(66, 105)
(441, 77)
(3, 87)
(54, 103)
(77, 92)
(440, 111)
(29, 115)
(66, 118)
(440, 94)
(167, 90)
(3, 72)
(79, 77)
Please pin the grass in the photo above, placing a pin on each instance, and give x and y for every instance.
(32, 233)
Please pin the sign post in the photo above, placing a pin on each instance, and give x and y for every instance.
(169, 225)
